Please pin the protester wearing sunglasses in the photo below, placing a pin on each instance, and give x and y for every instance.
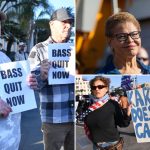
(103, 117)
(123, 33)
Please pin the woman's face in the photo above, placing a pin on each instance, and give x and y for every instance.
(99, 89)
(126, 41)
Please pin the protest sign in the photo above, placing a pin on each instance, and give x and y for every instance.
(126, 82)
(14, 89)
(62, 59)
(140, 98)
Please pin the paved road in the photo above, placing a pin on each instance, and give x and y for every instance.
(31, 135)
(82, 143)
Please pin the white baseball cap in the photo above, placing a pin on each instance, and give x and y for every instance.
(22, 44)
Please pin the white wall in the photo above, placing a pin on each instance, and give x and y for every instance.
(86, 14)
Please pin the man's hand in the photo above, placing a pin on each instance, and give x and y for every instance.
(32, 81)
(5, 109)
(45, 65)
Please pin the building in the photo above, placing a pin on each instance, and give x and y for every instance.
(82, 86)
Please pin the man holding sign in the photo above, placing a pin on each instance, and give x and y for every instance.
(57, 99)
(9, 124)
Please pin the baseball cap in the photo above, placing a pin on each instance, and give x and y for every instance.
(61, 15)
(21, 44)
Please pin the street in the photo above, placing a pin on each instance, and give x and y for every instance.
(31, 134)
(130, 143)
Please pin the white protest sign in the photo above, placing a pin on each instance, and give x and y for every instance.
(140, 112)
(14, 89)
(62, 58)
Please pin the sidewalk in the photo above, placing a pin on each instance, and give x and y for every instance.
(31, 135)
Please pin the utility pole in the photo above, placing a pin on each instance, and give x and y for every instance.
(2, 18)
(135, 83)
(115, 6)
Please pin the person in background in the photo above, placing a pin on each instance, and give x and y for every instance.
(114, 96)
(21, 54)
(123, 100)
(10, 123)
(1, 48)
(103, 117)
(57, 101)
(143, 56)
(122, 31)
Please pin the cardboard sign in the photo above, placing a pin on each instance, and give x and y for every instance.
(62, 59)
(140, 98)
(14, 89)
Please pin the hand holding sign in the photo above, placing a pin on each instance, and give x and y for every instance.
(140, 113)
(14, 89)
(5, 109)
(45, 65)
(32, 81)
(62, 58)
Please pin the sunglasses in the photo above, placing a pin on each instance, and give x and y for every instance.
(143, 59)
(98, 86)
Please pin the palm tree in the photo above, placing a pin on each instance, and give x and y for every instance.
(23, 14)
(27, 16)
(22, 21)
(42, 31)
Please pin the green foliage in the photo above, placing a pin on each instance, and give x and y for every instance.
(20, 19)
(42, 29)
(14, 29)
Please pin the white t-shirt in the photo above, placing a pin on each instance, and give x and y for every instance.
(21, 56)
(9, 126)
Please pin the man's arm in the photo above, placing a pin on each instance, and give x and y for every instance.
(45, 66)
(38, 67)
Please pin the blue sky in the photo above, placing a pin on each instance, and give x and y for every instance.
(57, 4)
(116, 79)
(62, 3)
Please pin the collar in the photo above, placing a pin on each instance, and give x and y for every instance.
(110, 68)
(103, 99)
(99, 102)
(51, 40)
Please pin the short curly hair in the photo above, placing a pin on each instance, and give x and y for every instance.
(118, 18)
(105, 80)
